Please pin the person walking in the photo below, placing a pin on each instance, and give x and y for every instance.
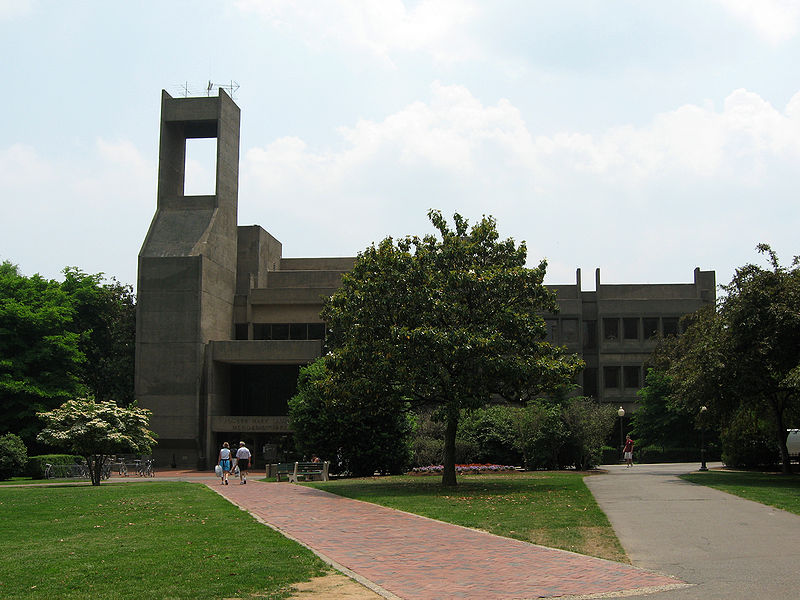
(627, 451)
(243, 461)
(225, 462)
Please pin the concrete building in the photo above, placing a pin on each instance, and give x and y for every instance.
(224, 321)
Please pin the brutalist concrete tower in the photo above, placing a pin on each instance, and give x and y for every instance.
(187, 277)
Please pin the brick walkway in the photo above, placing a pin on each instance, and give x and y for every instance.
(410, 557)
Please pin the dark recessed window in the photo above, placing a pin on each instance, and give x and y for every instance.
(611, 329)
(316, 331)
(611, 377)
(280, 331)
(650, 327)
(298, 331)
(670, 325)
(569, 331)
(630, 328)
(590, 382)
(590, 335)
(261, 331)
(631, 376)
(240, 331)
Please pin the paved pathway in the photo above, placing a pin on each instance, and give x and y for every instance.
(400, 555)
(729, 547)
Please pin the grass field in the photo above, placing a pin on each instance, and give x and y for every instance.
(780, 491)
(142, 540)
(554, 509)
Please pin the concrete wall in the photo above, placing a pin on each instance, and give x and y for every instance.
(187, 281)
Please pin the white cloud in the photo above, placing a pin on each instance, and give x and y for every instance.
(775, 20)
(378, 28)
(688, 183)
(89, 207)
(10, 9)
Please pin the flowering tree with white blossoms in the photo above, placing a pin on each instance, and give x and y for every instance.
(97, 430)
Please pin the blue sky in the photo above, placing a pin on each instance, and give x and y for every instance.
(643, 138)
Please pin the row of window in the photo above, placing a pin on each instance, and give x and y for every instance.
(614, 378)
(282, 331)
(613, 329)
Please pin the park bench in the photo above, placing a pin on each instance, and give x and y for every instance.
(309, 471)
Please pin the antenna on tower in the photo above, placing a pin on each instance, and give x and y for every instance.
(210, 89)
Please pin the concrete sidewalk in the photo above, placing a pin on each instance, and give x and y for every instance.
(729, 547)
(400, 555)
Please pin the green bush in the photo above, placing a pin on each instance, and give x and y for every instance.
(35, 466)
(13, 456)
(364, 441)
(488, 435)
(747, 442)
(609, 455)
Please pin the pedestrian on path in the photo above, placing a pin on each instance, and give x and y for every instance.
(627, 452)
(225, 462)
(243, 461)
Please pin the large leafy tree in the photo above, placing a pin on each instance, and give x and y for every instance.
(444, 322)
(40, 353)
(59, 340)
(660, 421)
(358, 441)
(97, 430)
(744, 353)
(105, 317)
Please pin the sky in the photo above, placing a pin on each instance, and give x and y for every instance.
(643, 138)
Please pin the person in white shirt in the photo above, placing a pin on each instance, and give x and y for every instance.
(243, 461)
(225, 462)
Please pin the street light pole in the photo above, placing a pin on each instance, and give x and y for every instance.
(703, 466)
(621, 413)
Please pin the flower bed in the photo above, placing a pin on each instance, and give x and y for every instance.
(462, 469)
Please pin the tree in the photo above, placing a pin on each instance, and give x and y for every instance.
(97, 430)
(658, 420)
(60, 341)
(744, 353)
(359, 442)
(444, 322)
(40, 354)
(13, 455)
(105, 318)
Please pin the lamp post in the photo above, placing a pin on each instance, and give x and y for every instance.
(703, 466)
(621, 413)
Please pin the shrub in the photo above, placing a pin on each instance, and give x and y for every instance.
(488, 435)
(35, 466)
(13, 456)
(747, 442)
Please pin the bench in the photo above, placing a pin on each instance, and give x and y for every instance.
(309, 471)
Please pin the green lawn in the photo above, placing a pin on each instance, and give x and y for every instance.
(142, 540)
(554, 509)
(780, 491)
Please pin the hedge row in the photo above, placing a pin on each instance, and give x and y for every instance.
(35, 468)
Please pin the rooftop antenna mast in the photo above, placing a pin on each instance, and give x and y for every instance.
(210, 89)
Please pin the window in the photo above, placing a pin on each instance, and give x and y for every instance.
(630, 376)
(611, 377)
(552, 330)
(630, 328)
(240, 331)
(569, 331)
(650, 327)
(261, 331)
(280, 331)
(316, 331)
(590, 335)
(611, 329)
(590, 381)
(298, 331)
(670, 325)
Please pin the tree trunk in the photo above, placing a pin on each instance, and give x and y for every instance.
(780, 436)
(95, 464)
(449, 472)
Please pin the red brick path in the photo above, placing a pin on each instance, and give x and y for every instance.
(417, 558)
